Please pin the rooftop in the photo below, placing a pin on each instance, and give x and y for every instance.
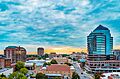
(4, 69)
(109, 74)
(54, 75)
(29, 64)
(100, 27)
(58, 67)
(11, 47)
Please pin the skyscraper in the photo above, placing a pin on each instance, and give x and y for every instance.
(40, 51)
(15, 53)
(100, 42)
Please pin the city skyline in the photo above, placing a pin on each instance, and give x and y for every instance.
(56, 24)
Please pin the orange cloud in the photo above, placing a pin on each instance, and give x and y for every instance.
(61, 50)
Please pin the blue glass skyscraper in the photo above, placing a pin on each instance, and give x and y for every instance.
(100, 42)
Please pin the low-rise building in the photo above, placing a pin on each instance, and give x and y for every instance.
(102, 57)
(105, 66)
(52, 55)
(62, 69)
(112, 75)
(6, 71)
(61, 60)
(78, 56)
(37, 62)
(30, 66)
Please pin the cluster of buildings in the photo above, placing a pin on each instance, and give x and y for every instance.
(12, 54)
(61, 70)
(101, 56)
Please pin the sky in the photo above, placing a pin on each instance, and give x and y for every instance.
(57, 24)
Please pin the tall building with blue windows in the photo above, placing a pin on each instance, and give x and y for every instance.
(100, 42)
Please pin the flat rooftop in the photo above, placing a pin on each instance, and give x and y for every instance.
(56, 75)
(4, 69)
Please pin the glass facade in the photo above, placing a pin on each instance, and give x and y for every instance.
(100, 41)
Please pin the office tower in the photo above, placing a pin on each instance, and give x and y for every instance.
(100, 46)
(15, 53)
(100, 42)
(40, 51)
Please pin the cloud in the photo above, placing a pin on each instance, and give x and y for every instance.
(56, 22)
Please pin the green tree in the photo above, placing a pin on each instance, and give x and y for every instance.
(53, 61)
(75, 76)
(74, 59)
(17, 75)
(83, 53)
(24, 71)
(97, 75)
(41, 76)
(65, 55)
(46, 55)
(39, 57)
(2, 76)
(46, 64)
(19, 65)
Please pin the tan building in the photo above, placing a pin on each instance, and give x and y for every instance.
(15, 53)
(62, 69)
(61, 60)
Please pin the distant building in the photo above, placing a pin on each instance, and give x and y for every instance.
(117, 54)
(15, 53)
(40, 51)
(37, 62)
(60, 69)
(61, 60)
(78, 56)
(100, 41)
(52, 55)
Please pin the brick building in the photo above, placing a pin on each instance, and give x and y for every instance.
(62, 69)
(15, 53)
